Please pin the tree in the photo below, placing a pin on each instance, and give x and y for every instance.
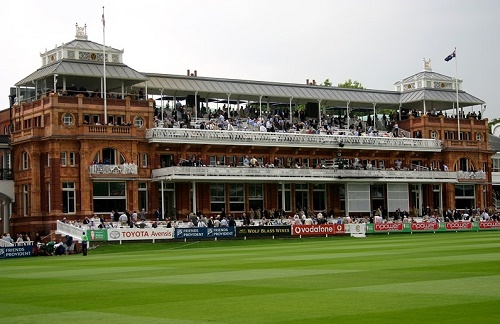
(327, 83)
(351, 84)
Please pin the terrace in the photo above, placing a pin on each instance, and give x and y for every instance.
(221, 174)
(254, 138)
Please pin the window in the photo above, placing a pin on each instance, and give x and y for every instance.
(319, 197)
(9, 161)
(25, 161)
(436, 195)
(26, 199)
(120, 120)
(479, 137)
(49, 206)
(302, 196)
(138, 122)
(109, 156)
(465, 165)
(67, 119)
(377, 196)
(64, 160)
(464, 196)
(144, 160)
(342, 196)
(288, 195)
(256, 196)
(217, 197)
(72, 158)
(434, 135)
(143, 196)
(48, 160)
(236, 197)
(68, 197)
(109, 196)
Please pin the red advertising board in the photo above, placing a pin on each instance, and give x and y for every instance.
(424, 226)
(388, 227)
(489, 225)
(458, 226)
(324, 229)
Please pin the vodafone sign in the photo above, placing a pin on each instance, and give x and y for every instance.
(489, 225)
(424, 226)
(459, 226)
(324, 229)
(388, 227)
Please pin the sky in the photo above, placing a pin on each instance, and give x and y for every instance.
(374, 42)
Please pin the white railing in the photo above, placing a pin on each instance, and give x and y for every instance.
(126, 168)
(471, 175)
(67, 229)
(4, 243)
(203, 136)
(244, 173)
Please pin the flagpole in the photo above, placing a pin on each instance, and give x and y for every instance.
(456, 89)
(105, 122)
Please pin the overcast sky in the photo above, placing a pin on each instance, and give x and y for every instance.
(374, 42)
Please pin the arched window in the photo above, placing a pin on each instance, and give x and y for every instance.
(109, 155)
(25, 161)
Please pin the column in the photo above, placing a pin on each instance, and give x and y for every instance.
(194, 196)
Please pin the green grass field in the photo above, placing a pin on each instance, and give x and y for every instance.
(424, 278)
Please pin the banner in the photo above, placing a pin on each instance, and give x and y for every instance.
(458, 226)
(388, 227)
(98, 235)
(204, 232)
(220, 232)
(16, 251)
(264, 231)
(424, 226)
(489, 225)
(312, 230)
(126, 234)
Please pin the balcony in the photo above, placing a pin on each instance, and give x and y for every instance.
(93, 131)
(115, 170)
(221, 174)
(471, 175)
(250, 138)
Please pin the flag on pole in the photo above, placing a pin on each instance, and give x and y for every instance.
(447, 59)
(103, 21)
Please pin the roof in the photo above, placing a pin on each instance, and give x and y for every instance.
(439, 99)
(89, 45)
(86, 73)
(269, 91)
(494, 143)
(427, 75)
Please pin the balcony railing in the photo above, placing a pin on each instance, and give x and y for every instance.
(282, 174)
(126, 168)
(224, 137)
(471, 175)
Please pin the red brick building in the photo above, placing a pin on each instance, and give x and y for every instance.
(341, 151)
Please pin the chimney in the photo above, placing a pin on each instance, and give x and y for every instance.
(195, 73)
(307, 81)
(314, 82)
(188, 73)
